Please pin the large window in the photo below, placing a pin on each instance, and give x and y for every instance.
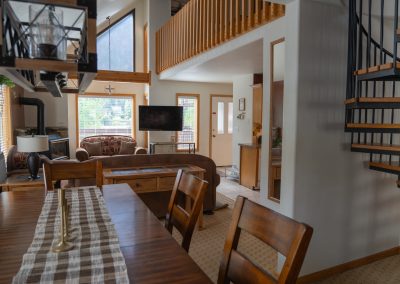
(190, 132)
(5, 119)
(117, 41)
(102, 114)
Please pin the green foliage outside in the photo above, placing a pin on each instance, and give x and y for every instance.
(104, 112)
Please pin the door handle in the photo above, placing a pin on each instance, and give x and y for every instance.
(214, 136)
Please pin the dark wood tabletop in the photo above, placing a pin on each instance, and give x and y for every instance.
(151, 254)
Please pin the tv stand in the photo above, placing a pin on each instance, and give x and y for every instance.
(190, 147)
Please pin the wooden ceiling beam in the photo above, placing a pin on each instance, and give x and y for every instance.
(119, 76)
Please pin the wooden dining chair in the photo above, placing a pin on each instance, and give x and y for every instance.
(184, 219)
(66, 170)
(285, 235)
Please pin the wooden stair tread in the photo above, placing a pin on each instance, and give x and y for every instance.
(376, 68)
(373, 125)
(377, 147)
(373, 100)
(384, 166)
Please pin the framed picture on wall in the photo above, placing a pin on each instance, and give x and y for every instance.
(242, 104)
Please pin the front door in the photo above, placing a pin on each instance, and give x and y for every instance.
(221, 129)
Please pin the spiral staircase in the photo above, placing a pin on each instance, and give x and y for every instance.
(373, 94)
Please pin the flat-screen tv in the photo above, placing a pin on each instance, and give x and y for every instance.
(160, 118)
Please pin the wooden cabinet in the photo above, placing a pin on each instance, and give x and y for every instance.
(250, 165)
(275, 182)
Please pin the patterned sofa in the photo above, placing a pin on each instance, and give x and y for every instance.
(107, 145)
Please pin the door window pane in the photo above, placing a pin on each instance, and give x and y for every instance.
(121, 43)
(230, 118)
(221, 118)
(105, 115)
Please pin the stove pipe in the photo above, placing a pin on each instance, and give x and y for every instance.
(40, 112)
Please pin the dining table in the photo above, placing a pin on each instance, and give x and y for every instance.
(151, 254)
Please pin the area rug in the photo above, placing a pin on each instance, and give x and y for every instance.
(207, 244)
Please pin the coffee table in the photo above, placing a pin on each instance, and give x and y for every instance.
(153, 184)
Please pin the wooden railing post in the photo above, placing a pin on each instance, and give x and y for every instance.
(204, 24)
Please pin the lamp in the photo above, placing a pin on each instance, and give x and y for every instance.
(49, 39)
(32, 145)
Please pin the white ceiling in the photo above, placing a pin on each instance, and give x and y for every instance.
(107, 8)
(244, 60)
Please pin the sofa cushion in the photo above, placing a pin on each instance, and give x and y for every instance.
(16, 160)
(94, 148)
(127, 148)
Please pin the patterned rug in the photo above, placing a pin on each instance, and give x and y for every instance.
(207, 244)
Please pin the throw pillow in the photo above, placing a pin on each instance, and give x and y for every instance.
(94, 149)
(127, 148)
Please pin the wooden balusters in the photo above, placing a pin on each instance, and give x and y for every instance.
(203, 24)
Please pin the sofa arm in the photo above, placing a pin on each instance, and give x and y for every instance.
(217, 180)
(140, 151)
(82, 154)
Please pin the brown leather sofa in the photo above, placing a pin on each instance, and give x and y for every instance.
(158, 201)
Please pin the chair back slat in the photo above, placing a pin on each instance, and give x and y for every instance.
(244, 271)
(65, 170)
(180, 218)
(184, 219)
(286, 235)
(189, 185)
(274, 229)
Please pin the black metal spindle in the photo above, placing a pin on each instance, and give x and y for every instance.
(368, 54)
(381, 31)
(396, 24)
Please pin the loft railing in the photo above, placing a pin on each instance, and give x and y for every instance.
(204, 24)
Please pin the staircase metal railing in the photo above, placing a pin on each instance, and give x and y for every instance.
(372, 95)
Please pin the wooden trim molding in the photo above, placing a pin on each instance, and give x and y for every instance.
(271, 88)
(210, 122)
(316, 276)
(134, 110)
(197, 97)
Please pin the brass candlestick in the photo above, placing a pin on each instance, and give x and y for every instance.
(63, 244)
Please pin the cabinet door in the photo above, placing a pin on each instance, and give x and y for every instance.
(166, 183)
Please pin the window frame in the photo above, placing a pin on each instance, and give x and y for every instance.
(197, 97)
(6, 120)
(133, 13)
(134, 111)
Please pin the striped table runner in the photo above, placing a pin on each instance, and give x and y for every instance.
(96, 256)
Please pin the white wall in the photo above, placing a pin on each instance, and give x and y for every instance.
(55, 110)
(242, 128)
(164, 92)
(353, 210)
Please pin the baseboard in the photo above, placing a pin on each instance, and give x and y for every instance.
(316, 276)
